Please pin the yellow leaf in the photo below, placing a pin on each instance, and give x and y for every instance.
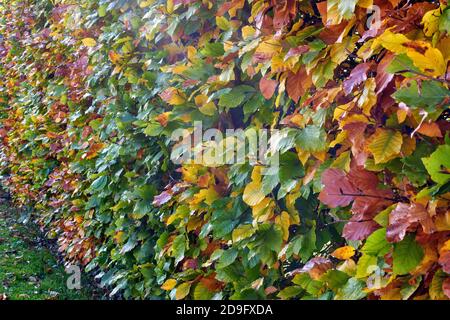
(408, 146)
(392, 41)
(339, 139)
(344, 253)
(368, 97)
(208, 109)
(284, 222)
(206, 195)
(183, 290)
(385, 145)
(342, 162)
(173, 96)
(367, 4)
(264, 210)
(169, 284)
(431, 61)
(247, 32)
(146, 3)
(352, 119)
(430, 21)
(223, 23)
(242, 232)
(342, 110)
(268, 48)
(89, 42)
(303, 155)
(170, 6)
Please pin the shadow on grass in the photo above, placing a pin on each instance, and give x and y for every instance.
(29, 270)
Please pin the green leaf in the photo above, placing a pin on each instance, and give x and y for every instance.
(99, 183)
(201, 292)
(438, 164)
(430, 94)
(312, 139)
(401, 63)
(376, 244)
(289, 292)
(444, 21)
(213, 49)
(436, 291)
(243, 232)
(353, 290)
(407, 255)
(382, 218)
(227, 258)
(346, 8)
(335, 279)
(178, 248)
(311, 286)
(365, 266)
(408, 289)
(235, 97)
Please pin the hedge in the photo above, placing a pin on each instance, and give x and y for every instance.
(91, 92)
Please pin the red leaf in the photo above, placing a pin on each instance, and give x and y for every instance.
(338, 190)
(362, 179)
(359, 230)
(357, 76)
(405, 216)
(267, 87)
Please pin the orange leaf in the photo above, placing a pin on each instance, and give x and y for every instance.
(267, 87)
(344, 253)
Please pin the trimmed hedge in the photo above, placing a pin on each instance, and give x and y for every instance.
(91, 92)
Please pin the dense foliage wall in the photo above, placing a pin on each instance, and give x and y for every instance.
(91, 91)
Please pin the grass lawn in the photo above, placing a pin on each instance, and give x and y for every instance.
(29, 270)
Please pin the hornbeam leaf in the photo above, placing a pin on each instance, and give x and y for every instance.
(438, 164)
(183, 290)
(253, 193)
(429, 95)
(89, 42)
(407, 255)
(385, 145)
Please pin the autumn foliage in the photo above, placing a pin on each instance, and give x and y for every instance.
(91, 91)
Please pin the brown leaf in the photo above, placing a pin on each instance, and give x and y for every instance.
(316, 267)
(430, 129)
(297, 84)
(284, 11)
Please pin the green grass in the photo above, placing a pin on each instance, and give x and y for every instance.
(28, 270)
